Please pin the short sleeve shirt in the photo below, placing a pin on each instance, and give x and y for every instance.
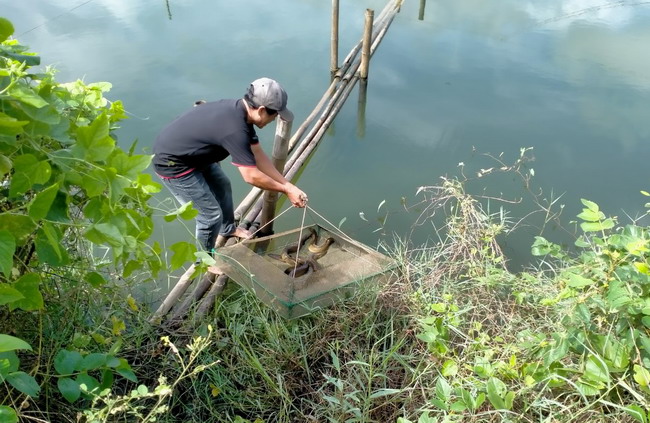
(206, 134)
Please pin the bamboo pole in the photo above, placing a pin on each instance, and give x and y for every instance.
(279, 158)
(177, 291)
(200, 288)
(366, 43)
(334, 47)
(207, 302)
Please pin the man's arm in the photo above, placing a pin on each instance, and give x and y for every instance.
(266, 176)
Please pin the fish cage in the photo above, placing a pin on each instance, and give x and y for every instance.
(255, 264)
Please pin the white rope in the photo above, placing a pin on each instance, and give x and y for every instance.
(343, 234)
(335, 229)
(302, 226)
(270, 221)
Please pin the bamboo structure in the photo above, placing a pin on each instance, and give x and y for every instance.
(341, 87)
(289, 155)
(342, 77)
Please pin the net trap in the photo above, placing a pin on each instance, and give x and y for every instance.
(302, 270)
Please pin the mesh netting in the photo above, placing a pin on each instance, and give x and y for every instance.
(344, 265)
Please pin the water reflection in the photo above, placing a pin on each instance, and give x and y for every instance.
(569, 77)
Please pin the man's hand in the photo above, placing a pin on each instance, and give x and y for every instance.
(297, 197)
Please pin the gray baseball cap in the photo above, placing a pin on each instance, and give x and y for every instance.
(270, 94)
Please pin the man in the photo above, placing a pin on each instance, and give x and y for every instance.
(188, 154)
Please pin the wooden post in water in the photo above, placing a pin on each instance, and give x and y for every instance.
(334, 47)
(421, 13)
(367, 42)
(279, 158)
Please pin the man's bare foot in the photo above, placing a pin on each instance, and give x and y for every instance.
(242, 233)
(215, 270)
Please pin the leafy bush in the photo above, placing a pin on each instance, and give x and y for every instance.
(67, 194)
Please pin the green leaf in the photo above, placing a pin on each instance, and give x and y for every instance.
(95, 279)
(642, 376)
(443, 389)
(9, 363)
(8, 415)
(125, 371)
(28, 285)
(449, 368)
(7, 250)
(95, 183)
(93, 361)
(40, 205)
(26, 94)
(24, 383)
(88, 384)
(588, 388)
(8, 294)
(69, 389)
(10, 126)
(183, 252)
(618, 295)
(59, 210)
(590, 216)
(557, 351)
(597, 226)
(28, 171)
(578, 281)
(596, 371)
(5, 165)
(11, 343)
(186, 211)
(6, 30)
(384, 392)
(19, 225)
(104, 233)
(48, 246)
(590, 205)
(67, 362)
(638, 413)
(93, 141)
(425, 418)
(146, 184)
(496, 392)
(129, 166)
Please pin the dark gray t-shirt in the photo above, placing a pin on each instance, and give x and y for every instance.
(206, 134)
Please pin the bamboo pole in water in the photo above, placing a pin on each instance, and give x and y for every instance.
(334, 47)
(279, 158)
(366, 43)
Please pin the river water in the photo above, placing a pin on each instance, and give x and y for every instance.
(450, 83)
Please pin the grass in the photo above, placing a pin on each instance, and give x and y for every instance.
(426, 347)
